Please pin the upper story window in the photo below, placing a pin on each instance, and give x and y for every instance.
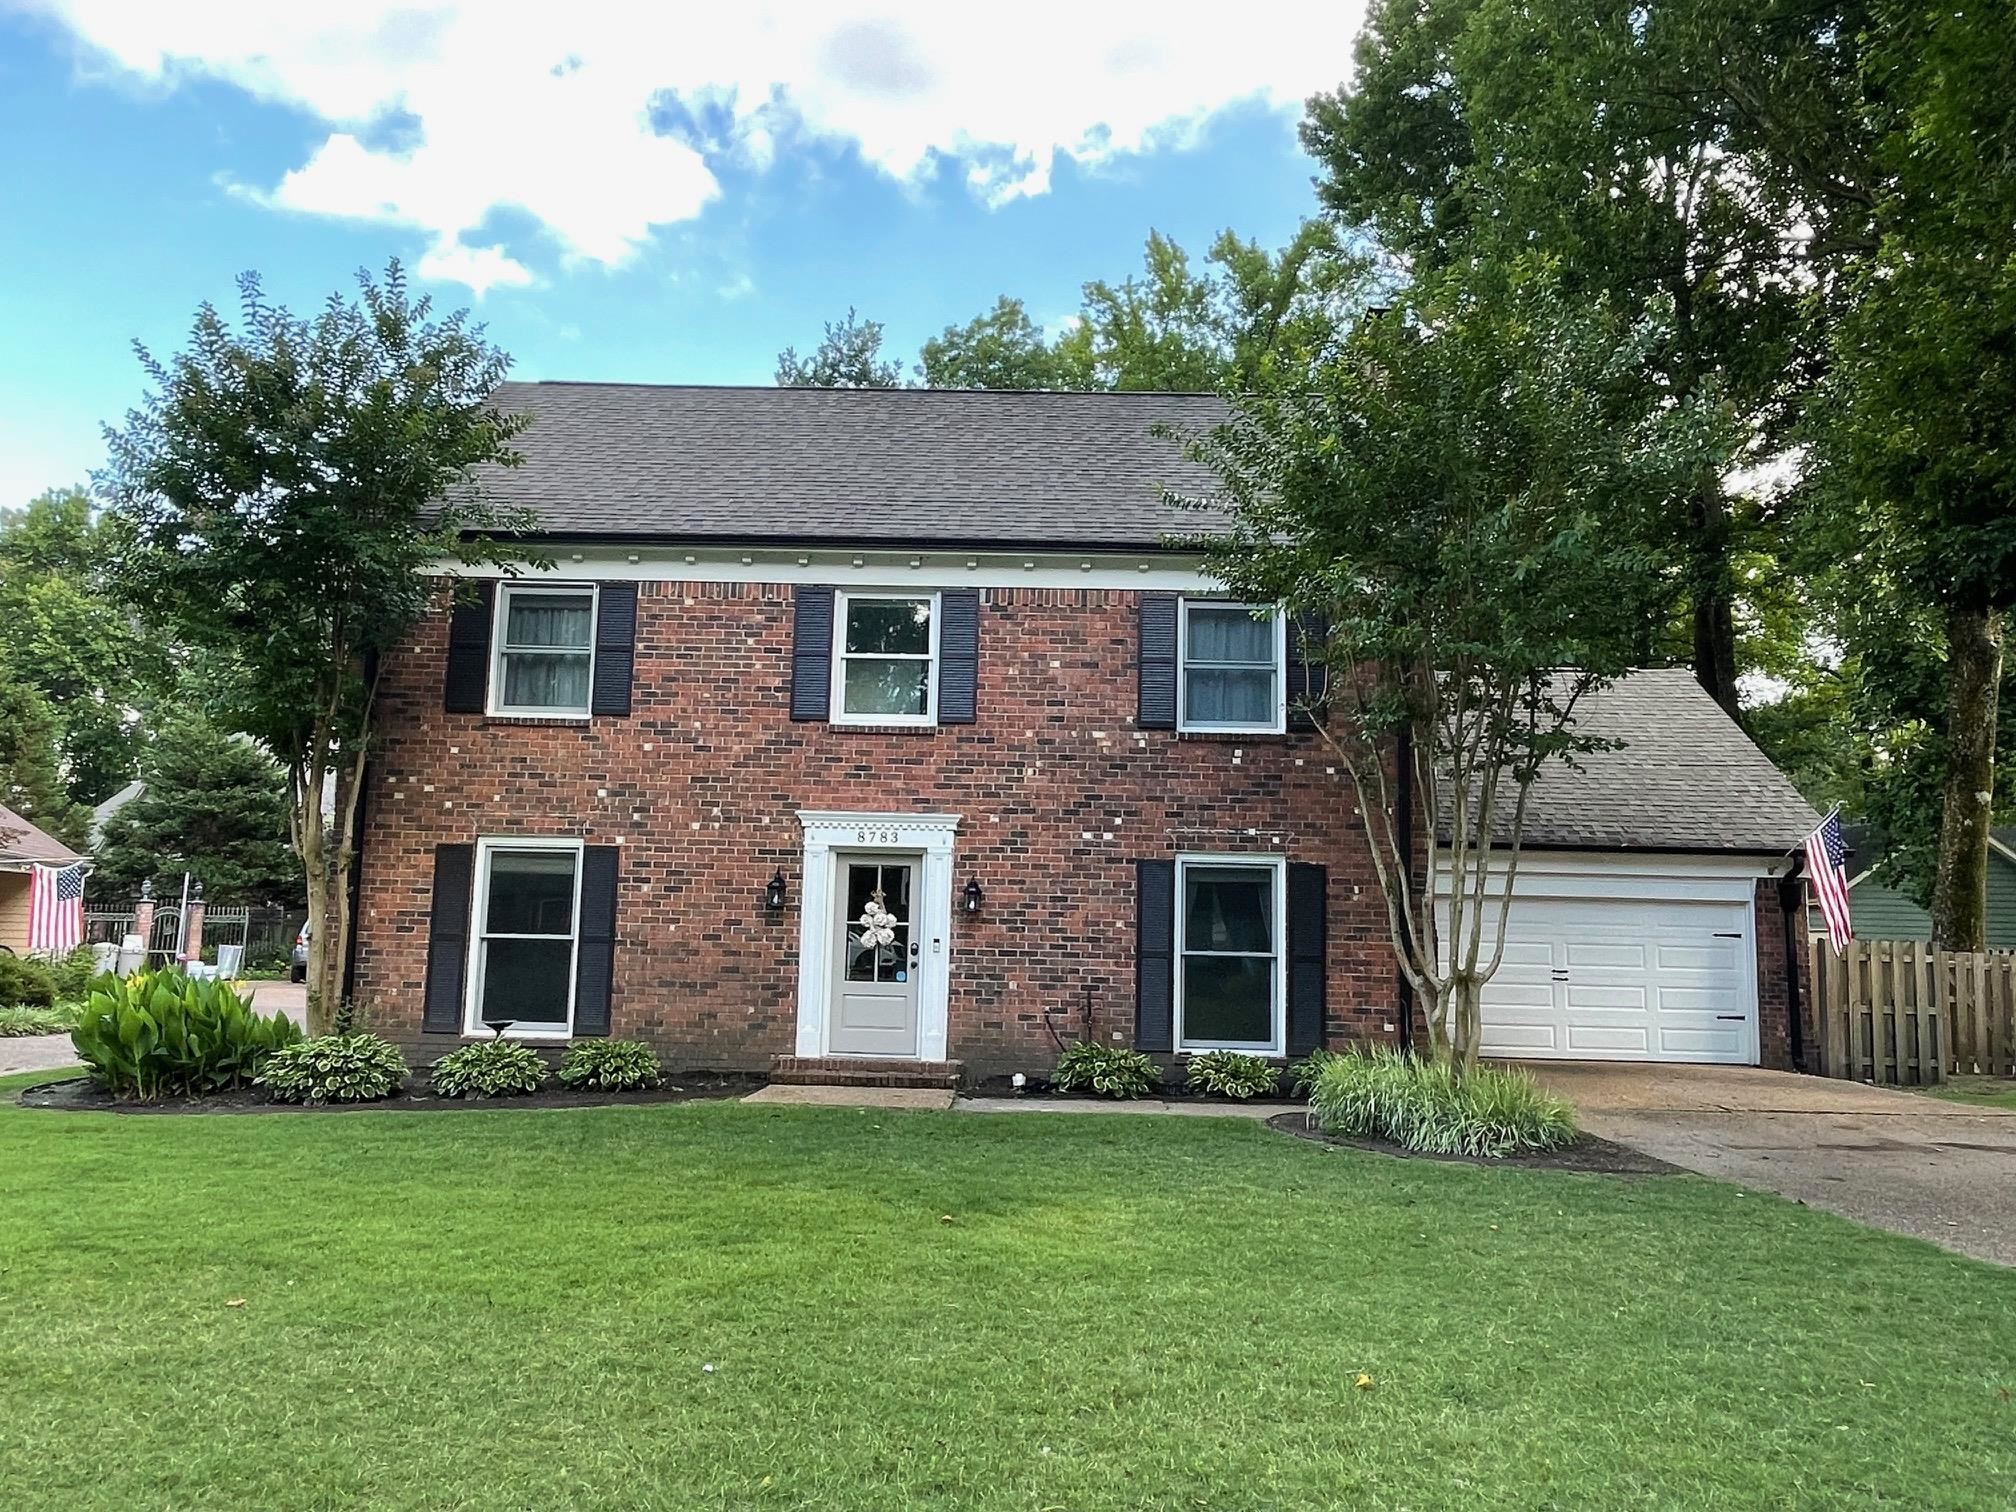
(1232, 668)
(885, 663)
(544, 655)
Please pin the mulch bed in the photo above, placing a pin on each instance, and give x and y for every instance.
(79, 1095)
(1587, 1154)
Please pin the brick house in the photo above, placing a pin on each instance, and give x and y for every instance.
(880, 727)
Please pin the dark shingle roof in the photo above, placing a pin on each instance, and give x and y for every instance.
(909, 466)
(1687, 779)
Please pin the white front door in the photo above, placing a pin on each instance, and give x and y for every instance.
(877, 955)
(1623, 979)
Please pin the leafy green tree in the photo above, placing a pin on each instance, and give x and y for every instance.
(1002, 349)
(1464, 511)
(215, 806)
(1488, 129)
(282, 492)
(31, 774)
(849, 355)
(64, 630)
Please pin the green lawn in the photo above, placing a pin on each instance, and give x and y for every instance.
(1981, 1091)
(515, 1309)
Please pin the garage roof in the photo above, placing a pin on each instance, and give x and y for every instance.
(915, 467)
(1686, 779)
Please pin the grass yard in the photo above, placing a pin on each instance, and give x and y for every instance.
(1980, 1091)
(516, 1309)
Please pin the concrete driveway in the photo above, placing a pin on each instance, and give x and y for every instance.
(1942, 1171)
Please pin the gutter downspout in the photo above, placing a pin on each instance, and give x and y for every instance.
(1403, 824)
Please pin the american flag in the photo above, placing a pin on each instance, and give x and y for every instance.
(56, 909)
(1827, 875)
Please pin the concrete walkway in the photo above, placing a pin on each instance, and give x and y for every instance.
(1903, 1161)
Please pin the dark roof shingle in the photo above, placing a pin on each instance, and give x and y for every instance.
(1686, 779)
(907, 466)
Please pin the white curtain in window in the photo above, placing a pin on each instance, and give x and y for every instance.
(549, 620)
(542, 680)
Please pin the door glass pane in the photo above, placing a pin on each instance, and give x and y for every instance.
(889, 627)
(1228, 634)
(1228, 908)
(887, 687)
(1228, 999)
(531, 892)
(550, 619)
(545, 680)
(526, 980)
(1227, 695)
(879, 961)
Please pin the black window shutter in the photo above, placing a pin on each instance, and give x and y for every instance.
(1155, 955)
(958, 655)
(448, 938)
(1308, 684)
(812, 653)
(615, 648)
(1308, 924)
(468, 681)
(1158, 662)
(595, 950)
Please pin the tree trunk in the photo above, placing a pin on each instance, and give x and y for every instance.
(1714, 606)
(1973, 679)
(1466, 1018)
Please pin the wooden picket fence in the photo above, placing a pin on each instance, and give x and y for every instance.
(1900, 1013)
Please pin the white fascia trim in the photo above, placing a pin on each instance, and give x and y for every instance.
(1623, 874)
(897, 570)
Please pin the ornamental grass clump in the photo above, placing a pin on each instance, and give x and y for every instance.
(1227, 1073)
(335, 1068)
(1108, 1070)
(1436, 1108)
(491, 1068)
(166, 1034)
(609, 1066)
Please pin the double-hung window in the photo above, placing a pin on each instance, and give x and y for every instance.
(1229, 975)
(528, 910)
(885, 661)
(1233, 668)
(544, 658)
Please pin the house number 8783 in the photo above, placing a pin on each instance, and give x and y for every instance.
(876, 837)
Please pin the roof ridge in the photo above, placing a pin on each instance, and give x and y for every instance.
(813, 388)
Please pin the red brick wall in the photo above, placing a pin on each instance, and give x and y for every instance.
(1774, 1016)
(1059, 794)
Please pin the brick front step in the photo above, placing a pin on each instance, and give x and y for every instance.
(849, 1071)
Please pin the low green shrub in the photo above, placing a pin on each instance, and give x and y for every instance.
(1227, 1073)
(334, 1068)
(166, 1034)
(1109, 1070)
(490, 1068)
(1302, 1075)
(17, 1022)
(601, 1065)
(73, 974)
(26, 982)
(1433, 1107)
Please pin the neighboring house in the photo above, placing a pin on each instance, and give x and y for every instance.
(1882, 912)
(873, 727)
(102, 813)
(22, 848)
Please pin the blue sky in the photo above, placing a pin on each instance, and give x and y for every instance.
(620, 196)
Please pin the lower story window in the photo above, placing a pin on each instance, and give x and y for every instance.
(1228, 940)
(527, 907)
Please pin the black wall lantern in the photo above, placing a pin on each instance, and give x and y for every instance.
(773, 895)
(974, 897)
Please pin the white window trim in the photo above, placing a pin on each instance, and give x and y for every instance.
(1277, 1045)
(1184, 724)
(838, 696)
(472, 1012)
(500, 618)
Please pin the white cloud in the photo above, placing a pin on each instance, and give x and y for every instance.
(597, 119)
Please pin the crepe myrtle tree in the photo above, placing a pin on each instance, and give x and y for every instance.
(281, 493)
(1462, 513)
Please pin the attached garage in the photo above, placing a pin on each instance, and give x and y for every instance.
(1614, 957)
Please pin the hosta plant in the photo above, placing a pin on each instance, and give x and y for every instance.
(1108, 1070)
(491, 1068)
(609, 1066)
(15, 1022)
(1227, 1073)
(334, 1068)
(166, 1034)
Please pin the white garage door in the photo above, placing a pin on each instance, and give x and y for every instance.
(1623, 979)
